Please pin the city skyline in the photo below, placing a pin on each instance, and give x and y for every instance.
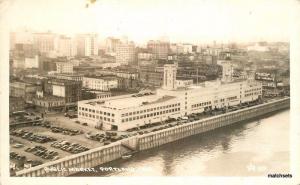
(221, 21)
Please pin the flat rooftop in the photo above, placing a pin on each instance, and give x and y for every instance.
(104, 77)
(124, 102)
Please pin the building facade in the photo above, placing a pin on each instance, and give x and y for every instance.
(101, 83)
(64, 67)
(49, 103)
(44, 42)
(159, 49)
(125, 53)
(22, 90)
(69, 90)
(65, 46)
(87, 45)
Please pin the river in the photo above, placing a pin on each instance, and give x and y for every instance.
(251, 148)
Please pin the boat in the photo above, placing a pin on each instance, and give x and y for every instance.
(126, 156)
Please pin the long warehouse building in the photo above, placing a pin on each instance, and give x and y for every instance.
(129, 111)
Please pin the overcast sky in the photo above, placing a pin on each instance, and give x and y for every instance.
(181, 20)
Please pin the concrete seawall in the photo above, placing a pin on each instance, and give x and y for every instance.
(97, 156)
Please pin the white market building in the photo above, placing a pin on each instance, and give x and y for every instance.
(128, 111)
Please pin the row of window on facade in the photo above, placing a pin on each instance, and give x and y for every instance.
(96, 116)
(251, 94)
(98, 112)
(251, 90)
(150, 110)
(150, 115)
(50, 104)
(201, 104)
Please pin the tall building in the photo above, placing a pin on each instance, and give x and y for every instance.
(65, 46)
(44, 42)
(159, 49)
(125, 53)
(87, 45)
(111, 44)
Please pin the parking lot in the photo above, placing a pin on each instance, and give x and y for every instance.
(56, 137)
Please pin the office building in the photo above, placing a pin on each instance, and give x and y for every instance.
(44, 42)
(65, 46)
(159, 49)
(87, 45)
(111, 45)
(125, 53)
(101, 83)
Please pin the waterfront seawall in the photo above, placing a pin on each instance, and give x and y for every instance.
(101, 155)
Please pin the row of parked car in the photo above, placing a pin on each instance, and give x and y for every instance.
(73, 148)
(32, 137)
(66, 131)
(43, 152)
(16, 156)
(46, 124)
(107, 138)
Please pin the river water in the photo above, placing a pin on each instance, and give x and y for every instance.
(251, 148)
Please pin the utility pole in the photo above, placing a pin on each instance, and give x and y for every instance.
(197, 76)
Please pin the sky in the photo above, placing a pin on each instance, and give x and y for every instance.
(191, 21)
